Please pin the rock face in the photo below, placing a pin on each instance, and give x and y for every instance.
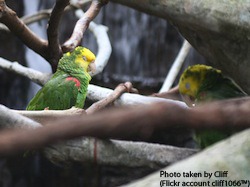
(219, 30)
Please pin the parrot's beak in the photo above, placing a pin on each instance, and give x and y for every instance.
(92, 67)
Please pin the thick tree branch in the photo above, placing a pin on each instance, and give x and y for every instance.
(109, 152)
(219, 30)
(10, 19)
(116, 153)
(10, 119)
(43, 116)
(131, 123)
(82, 25)
(52, 32)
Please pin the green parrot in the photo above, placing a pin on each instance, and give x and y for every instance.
(68, 86)
(201, 83)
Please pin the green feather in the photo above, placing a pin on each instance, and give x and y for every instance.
(211, 85)
(59, 93)
(216, 86)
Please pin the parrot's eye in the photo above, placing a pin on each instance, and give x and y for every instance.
(187, 85)
(84, 58)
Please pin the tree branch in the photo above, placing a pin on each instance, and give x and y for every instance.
(136, 123)
(50, 50)
(45, 14)
(103, 42)
(116, 153)
(52, 32)
(211, 27)
(82, 25)
(34, 75)
(10, 19)
(119, 90)
(10, 119)
(43, 116)
(173, 93)
(173, 72)
(95, 93)
(103, 152)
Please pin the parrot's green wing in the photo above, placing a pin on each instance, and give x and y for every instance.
(224, 88)
(208, 137)
(60, 92)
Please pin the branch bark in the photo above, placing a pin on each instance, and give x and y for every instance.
(82, 25)
(116, 153)
(10, 119)
(91, 150)
(173, 93)
(43, 116)
(137, 123)
(103, 42)
(34, 75)
(119, 90)
(50, 50)
(54, 46)
(45, 14)
(95, 93)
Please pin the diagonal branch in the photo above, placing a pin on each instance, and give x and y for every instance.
(176, 66)
(10, 19)
(119, 90)
(103, 42)
(44, 14)
(82, 25)
(54, 47)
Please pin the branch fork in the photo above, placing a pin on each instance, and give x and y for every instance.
(50, 50)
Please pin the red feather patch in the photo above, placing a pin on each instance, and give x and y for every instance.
(78, 84)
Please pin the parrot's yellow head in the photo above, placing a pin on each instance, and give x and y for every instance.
(79, 60)
(192, 79)
(85, 58)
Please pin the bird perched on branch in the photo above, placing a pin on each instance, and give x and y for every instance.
(201, 83)
(68, 86)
